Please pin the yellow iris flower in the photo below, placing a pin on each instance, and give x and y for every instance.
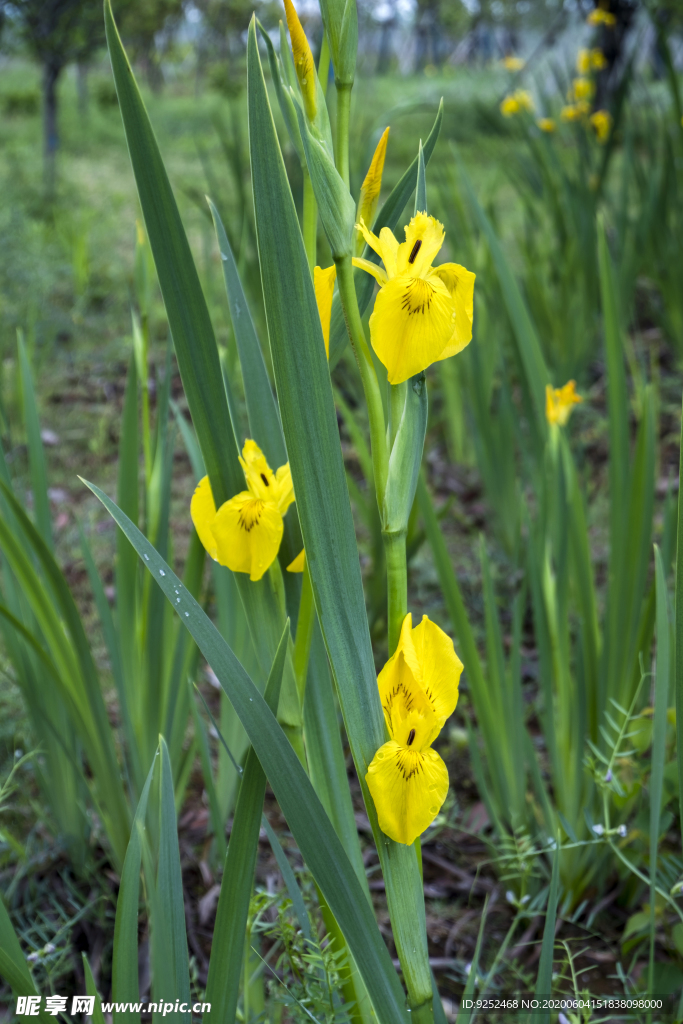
(601, 17)
(246, 531)
(602, 123)
(598, 59)
(583, 62)
(546, 124)
(512, 63)
(582, 89)
(559, 402)
(515, 102)
(418, 688)
(422, 313)
(303, 59)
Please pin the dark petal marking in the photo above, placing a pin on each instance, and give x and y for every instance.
(265, 479)
(411, 736)
(416, 249)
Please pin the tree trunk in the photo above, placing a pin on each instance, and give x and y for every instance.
(51, 73)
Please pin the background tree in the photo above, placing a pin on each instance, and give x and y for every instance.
(56, 33)
(140, 24)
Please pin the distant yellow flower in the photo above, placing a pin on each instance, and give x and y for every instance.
(299, 563)
(246, 531)
(370, 189)
(598, 59)
(512, 63)
(422, 313)
(517, 101)
(582, 89)
(303, 59)
(418, 688)
(574, 111)
(559, 402)
(601, 17)
(583, 62)
(546, 124)
(602, 123)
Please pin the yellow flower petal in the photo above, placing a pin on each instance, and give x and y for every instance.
(262, 482)
(323, 282)
(411, 324)
(248, 533)
(284, 488)
(370, 189)
(408, 787)
(303, 59)
(424, 238)
(559, 402)
(460, 283)
(299, 563)
(203, 512)
(440, 665)
(370, 268)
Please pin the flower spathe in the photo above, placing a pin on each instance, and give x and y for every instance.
(246, 531)
(422, 313)
(559, 402)
(418, 688)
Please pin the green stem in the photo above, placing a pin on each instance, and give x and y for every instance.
(304, 635)
(397, 585)
(310, 229)
(343, 122)
(354, 325)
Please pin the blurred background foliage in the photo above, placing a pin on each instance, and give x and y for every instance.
(576, 246)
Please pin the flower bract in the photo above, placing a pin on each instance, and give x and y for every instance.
(559, 402)
(418, 688)
(422, 313)
(246, 531)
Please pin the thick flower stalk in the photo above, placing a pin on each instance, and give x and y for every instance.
(418, 688)
(559, 403)
(422, 313)
(246, 531)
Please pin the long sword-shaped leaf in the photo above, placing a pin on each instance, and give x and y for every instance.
(125, 985)
(227, 947)
(658, 742)
(264, 419)
(544, 979)
(168, 924)
(310, 826)
(188, 316)
(312, 435)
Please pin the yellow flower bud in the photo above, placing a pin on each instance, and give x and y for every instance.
(303, 60)
(370, 189)
(559, 402)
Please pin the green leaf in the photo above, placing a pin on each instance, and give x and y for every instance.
(662, 676)
(470, 985)
(310, 826)
(406, 456)
(227, 946)
(125, 984)
(421, 189)
(387, 217)
(310, 426)
(186, 308)
(168, 923)
(91, 990)
(13, 966)
(544, 979)
(264, 419)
